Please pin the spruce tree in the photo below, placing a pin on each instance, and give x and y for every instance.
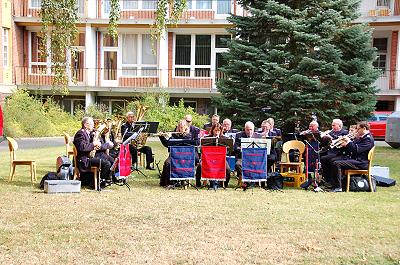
(295, 58)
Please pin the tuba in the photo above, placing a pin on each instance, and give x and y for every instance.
(96, 137)
(141, 111)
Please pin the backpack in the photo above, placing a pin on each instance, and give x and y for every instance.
(360, 183)
(48, 176)
(65, 170)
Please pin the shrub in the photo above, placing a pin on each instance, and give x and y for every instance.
(25, 115)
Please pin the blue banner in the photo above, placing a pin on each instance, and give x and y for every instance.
(182, 162)
(254, 164)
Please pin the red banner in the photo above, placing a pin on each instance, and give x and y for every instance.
(213, 163)
(1, 122)
(125, 161)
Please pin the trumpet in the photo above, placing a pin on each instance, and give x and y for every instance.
(326, 133)
(337, 143)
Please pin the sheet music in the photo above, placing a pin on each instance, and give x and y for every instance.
(261, 142)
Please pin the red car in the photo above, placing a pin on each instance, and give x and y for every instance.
(377, 124)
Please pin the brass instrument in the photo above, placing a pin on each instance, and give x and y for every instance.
(337, 143)
(326, 133)
(97, 134)
(140, 111)
(140, 141)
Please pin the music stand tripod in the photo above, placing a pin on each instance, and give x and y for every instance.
(317, 165)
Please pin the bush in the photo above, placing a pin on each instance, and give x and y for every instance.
(25, 115)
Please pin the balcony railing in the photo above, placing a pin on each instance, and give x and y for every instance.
(130, 78)
(31, 8)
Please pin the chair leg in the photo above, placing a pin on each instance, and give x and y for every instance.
(95, 179)
(34, 172)
(348, 182)
(31, 171)
(370, 182)
(13, 172)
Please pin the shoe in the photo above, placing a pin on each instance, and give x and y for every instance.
(150, 168)
(336, 190)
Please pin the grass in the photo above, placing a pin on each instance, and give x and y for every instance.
(152, 225)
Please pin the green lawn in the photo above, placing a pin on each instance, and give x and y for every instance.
(152, 225)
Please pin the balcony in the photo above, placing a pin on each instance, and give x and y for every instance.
(121, 79)
(31, 8)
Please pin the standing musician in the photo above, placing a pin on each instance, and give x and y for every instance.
(247, 133)
(336, 132)
(182, 131)
(85, 143)
(127, 130)
(357, 157)
(216, 131)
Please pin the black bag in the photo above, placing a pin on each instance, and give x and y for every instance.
(384, 182)
(275, 181)
(64, 166)
(48, 176)
(360, 183)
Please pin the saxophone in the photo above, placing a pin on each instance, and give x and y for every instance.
(96, 137)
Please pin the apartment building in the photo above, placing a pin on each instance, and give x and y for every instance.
(6, 44)
(185, 62)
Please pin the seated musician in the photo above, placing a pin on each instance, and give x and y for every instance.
(127, 130)
(216, 131)
(313, 127)
(267, 132)
(227, 127)
(85, 143)
(277, 131)
(182, 131)
(336, 132)
(106, 147)
(214, 120)
(195, 131)
(356, 156)
(247, 133)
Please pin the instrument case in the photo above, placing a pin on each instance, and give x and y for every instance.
(62, 186)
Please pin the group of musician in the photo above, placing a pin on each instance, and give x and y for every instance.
(347, 150)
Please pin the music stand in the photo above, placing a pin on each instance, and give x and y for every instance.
(216, 141)
(182, 142)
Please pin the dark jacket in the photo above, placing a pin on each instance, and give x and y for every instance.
(83, 144)
(360, 147)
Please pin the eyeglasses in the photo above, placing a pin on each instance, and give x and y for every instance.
(188, 121)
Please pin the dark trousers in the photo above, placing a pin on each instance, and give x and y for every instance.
(144, 150)
(165, 178)
(326, 162)
(86, 176)
(337, 165)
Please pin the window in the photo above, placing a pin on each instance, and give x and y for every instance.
(223, 7)
(138, 58)
(200, 4)
(80, 6)
(38, 60)
(129, 4)
(149, 4)
(193, 55)
(381, 45)
(221, 41)
(6, 32)
(35, 3)
(383, 3)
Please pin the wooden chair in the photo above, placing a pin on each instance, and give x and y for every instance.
(68, 146)
(367, 172)
(291, 145)
(94, 170)
(13, 146)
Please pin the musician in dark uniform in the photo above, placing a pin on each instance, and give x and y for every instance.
(268, 132)
(356, 155)
(247, 133)
(127, 130)
(194, 131)
(84, 144)
(182, 132)
(227, 127)
(214, 120)
(336, 132)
